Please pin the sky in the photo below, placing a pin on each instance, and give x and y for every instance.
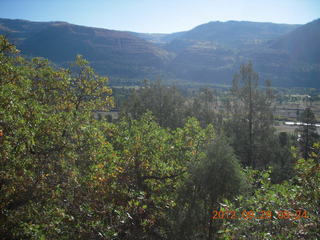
(160, 16)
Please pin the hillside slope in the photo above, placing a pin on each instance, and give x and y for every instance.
(303, 44)
(288, 55)
(111, 52)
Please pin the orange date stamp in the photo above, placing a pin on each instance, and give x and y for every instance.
(247, 215)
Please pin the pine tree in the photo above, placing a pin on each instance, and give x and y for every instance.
(308, 132)
(250, 117)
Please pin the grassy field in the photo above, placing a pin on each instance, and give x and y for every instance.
(290, 106)
(290, 110)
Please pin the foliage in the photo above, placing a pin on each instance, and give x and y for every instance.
(65, 175)
(281, 159)
(153, 163)
(250, 118)
(166, 104)
(215, 176)
(299, 197)
(204, 107)
(50, 146)
(155, 174)
(308, 132)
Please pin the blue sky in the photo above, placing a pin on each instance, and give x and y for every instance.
(161, 16)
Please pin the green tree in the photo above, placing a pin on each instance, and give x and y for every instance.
(250, 117)
(204, 107)
(293, 206)
(51, 148)
(308, 132)
(165, 103)
(66, 175)
(154, 163)
(282, 161)
(216, 176)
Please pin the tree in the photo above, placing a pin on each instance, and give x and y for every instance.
(154, 164)
(165, 102)
(51, 150)
(289, 210)
(250, 117)
(216, 176)
(203, 107)
(282, 161)
(308, 132)
(66, 175)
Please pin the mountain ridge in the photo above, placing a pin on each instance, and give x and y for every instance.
(208, 53)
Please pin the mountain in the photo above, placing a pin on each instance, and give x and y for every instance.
(214, 51)
(159, 38)
(111, 52)
(235, 33)
(302, 44)
(294, 58)
(288, 55)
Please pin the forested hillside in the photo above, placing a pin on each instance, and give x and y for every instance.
(170, 167)
(208, 54)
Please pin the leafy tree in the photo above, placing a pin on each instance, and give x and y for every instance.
(215, 176)
(154, 163)
(155, 174)
(308, 132)
(203, 107)
(65, 175)
(166, 104)
(50, 148)
(293, 206)
(282, 161)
